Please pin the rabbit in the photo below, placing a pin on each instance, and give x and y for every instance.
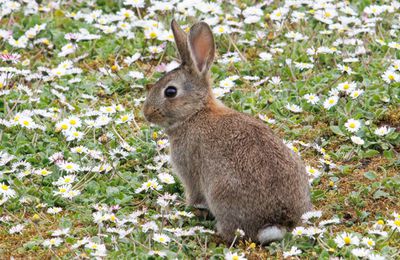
(228, 162)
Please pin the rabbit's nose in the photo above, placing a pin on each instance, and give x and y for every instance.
(148, 110)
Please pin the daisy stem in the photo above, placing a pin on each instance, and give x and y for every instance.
(236, 48)
(138, 12)
(233, 242)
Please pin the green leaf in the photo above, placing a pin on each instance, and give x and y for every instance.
(336, 129)
(370, 175)
(380, 194)
(388, 154)
(370, 153)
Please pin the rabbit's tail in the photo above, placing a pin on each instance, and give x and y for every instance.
(271, 233)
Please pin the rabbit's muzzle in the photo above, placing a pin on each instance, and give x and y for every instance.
(152, 114)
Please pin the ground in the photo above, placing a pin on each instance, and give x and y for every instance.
(82, 174)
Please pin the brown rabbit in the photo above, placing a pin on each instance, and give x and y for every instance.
(228, 162)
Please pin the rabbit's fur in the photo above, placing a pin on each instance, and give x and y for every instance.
(228, 162)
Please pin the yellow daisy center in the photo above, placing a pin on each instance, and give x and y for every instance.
(153, 35)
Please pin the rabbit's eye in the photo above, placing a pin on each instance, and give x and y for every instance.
(170, 92)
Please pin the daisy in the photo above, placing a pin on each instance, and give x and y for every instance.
(360, 252)
(129, 60)
(279, 14)
(275, 81)
(311, 98)
(294, 108)
(102, 168)
(162, 143)
(352, 125)
(369, 242)
(357, 140)
(135, 3)
(166, 178)
(161, 238)
(155, 49)
(345, 69)
(43, 172)
(382, 131)
(52, 242)
(149, 226)
(68, 179)
(54, 210)
(94, 246)
(299, 231)
(227, 83)
(16, 229)
(391, 76)
(394, 224)
(27, 122)
(312, 172)
(152, 33)
(70, 194)
(124, 119)
(394, 45)
(22, 42)
(220, 92)
(373, 256)
(63, 189)
(60, 232)
(73, 134)
(267, 119)
(149, 185)
(265, 56)
(234, 256)
(69, 167)
(347, 87)
(221, 29)
(79, 149)
(311, 214)
(6, 191)
(63, 125)
(330, 102)
(157, 253)
(356, 93)
(293, 251)
(74, 121)
(102, 121)
(346, 239)
(329, 222)
(67, 49)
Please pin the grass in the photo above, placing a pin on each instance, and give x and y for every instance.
(88, 113)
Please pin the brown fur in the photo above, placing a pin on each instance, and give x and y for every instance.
(228, 161)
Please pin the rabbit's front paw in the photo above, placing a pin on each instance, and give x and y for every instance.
(196, 200)
(203, 213)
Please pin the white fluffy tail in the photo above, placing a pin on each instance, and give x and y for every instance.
(271, 233)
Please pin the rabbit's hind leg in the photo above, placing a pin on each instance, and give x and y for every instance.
(271, 233)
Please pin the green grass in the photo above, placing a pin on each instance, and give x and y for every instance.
(357, 184)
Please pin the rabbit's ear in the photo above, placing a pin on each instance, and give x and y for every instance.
(202, 47)
(181, 42)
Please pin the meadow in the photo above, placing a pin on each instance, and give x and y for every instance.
(84, 176)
